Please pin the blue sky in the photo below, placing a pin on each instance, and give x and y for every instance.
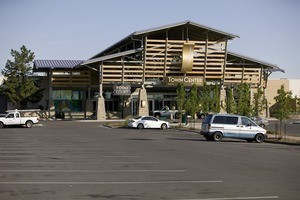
(269, 30)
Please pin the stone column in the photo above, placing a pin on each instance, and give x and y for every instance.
(143, 109)
(223, 99)
(101, 114)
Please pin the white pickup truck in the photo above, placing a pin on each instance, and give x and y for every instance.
(15, 118)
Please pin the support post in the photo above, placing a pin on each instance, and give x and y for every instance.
(101, 113)
(222, 99)
(143, 109)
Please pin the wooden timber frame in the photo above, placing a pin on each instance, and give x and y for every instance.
(150, 58)
(160, 56)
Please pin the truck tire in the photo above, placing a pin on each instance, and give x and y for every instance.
(1, 125)
(28, 124)
(157, 115)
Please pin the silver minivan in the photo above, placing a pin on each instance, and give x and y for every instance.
(216, 126)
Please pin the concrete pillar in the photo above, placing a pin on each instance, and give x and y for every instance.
(223, 99)
(101, 113)
(143, 109)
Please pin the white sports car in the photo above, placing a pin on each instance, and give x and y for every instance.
(148, 122)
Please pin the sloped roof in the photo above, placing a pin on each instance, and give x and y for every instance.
(53, 64)
(194, 31)
(270, 66)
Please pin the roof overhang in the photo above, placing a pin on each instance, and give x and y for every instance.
(268, 66)
(111, 56)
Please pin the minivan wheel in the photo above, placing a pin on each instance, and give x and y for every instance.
(259, 138)
(217, 136)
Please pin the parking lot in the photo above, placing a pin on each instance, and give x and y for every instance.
(85, 160)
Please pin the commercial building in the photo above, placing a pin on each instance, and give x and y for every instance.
(140, 73)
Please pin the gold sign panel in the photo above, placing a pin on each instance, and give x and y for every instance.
(187, 57)
(186, 80)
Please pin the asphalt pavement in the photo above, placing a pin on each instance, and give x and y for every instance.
(76, 160)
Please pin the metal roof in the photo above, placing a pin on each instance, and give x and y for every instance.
(46, 64)
(115, 55)
(231, 36)
(167, 27)
(270, 65)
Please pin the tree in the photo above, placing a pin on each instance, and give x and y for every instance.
(297, 105)
(180, 99)
(205, 99)
(192, 103)
(19, 85)
(259, 102)
(230, 102)
(283, 101)
(215, 105)
(243, 98)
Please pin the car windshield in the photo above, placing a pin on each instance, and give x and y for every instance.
(139, 117)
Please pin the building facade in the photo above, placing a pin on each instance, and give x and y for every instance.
(140, 73)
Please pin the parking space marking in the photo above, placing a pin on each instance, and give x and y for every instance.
(237, 198)
(108, 182)
(95, 171)
(79, 163)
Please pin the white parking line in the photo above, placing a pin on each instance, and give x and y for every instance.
(106, 183)
(74, 163)
(94, 171)
(237, 198)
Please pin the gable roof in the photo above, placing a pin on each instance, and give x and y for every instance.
(176, 30)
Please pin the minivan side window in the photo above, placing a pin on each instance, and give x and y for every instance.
(247, 122)
(207, 119)
(219, 120)
(225, 120)
(232, 120)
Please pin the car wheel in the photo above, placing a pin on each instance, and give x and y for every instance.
(1, 125)
(140, 126)
(28, 124)
(259, 138)
(164, 126)
(217, 136)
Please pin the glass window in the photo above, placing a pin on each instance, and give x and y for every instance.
(219, 120)
(247, 122)
(231, 120)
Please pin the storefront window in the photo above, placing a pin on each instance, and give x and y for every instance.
(67, 100)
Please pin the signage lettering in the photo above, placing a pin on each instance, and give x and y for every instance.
(186, 80)
(122, 90)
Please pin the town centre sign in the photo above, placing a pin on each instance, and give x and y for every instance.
(186, 80)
